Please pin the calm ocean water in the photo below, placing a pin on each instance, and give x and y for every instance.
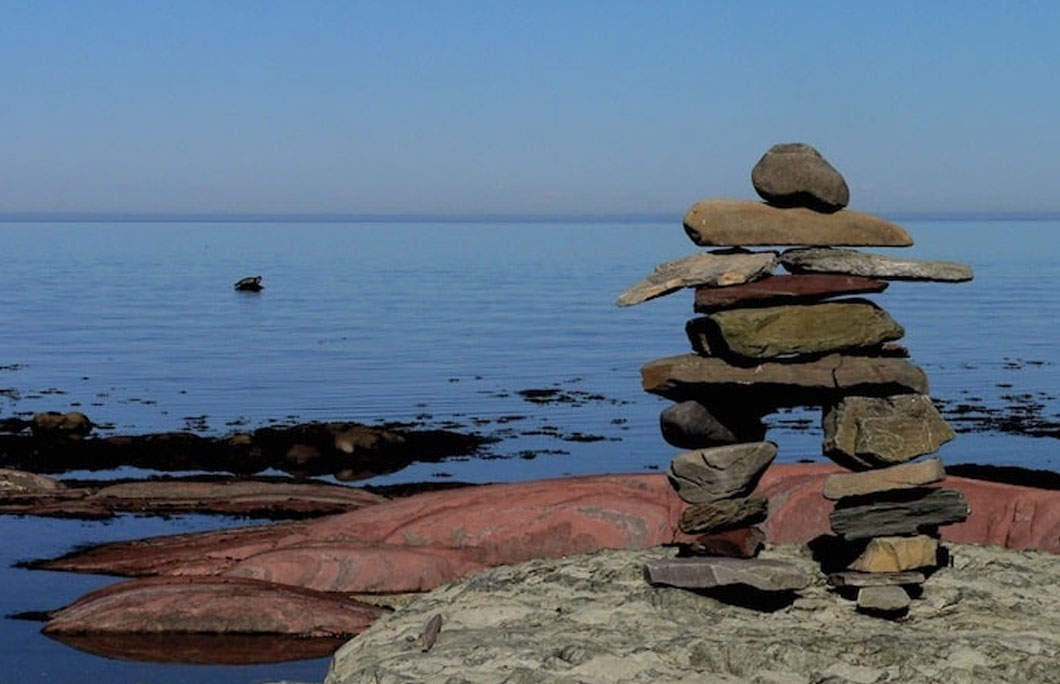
(138, 326)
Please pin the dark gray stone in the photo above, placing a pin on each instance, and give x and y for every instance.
(908, 511)
(707, 572)
(724, 472)
(796, 175)
(853, 262)
(692, 425)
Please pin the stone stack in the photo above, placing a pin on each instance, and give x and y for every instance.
(769, 341)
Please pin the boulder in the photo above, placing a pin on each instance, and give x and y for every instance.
(896, 554)
(908, 511)
(852, 262)
(706, 573)
(796, 175)
(733, 223)
(725, 472)
(704, 268)
(692, 425)
(717, 516)
(876, 432)
(886, 601)
(71, 425)
(905, 476)
(780, 383)
(784, 289)
(207, 605)
(794, 329)
(742, 542)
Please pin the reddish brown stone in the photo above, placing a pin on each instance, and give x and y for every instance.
(744, 542)
(206, 605)
(784, 289)
(202, 649)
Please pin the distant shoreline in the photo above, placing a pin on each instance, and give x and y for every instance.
(75, 217)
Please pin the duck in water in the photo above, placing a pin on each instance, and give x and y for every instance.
(251, 284)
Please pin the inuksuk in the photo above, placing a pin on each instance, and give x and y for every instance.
(768, 342)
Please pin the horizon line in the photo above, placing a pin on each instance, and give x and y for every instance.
(426, 217)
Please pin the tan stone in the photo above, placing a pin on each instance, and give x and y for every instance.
(902, 476)
(745, 223)
(896, 554)
(876, 432)
(702, 269)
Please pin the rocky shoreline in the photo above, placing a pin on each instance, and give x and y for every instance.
(992, 617)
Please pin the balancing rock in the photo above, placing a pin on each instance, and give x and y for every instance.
(725, 472)
(853, 262)
(876, 432)
(693, 425)
(705, 268)
(716, 516)
(784, 289)
(906, 511)
(796, 175)
(904, 476)
(705, 573)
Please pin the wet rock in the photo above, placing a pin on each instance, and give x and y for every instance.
(876, 432)
(907, 511)
(896, 554)
(796, 175)
(905, 476)
(704, 268)
(729, 223)
(692, 425)
(302, 454)
(770, 332)
(201, 649)
(206, 605)
(20, 483)
(716, 516)
(725, 472)
(782, 383)
(852, 262)
(71, 425)
(784, 289)
(886, 601)
(742, 542)
(705, 573)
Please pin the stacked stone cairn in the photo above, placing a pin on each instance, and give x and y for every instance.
(770, 342)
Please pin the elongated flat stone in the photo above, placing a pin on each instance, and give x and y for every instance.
(875, 579)
(896, 554)
(784, 289)
(716, 516)
(781, 383)
(775, 331)
(876, 432)
(707, 572)
(886, 601)
(727, 223)
(852, 262)
(725, 472)
(715, 270)
(893, 513)
(905, 476)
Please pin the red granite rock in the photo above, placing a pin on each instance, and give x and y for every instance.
(212, 605)
(784, 289)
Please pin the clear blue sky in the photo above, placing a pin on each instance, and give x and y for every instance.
(512, 107)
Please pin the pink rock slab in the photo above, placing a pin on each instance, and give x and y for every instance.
(210, 605)
(425, 540)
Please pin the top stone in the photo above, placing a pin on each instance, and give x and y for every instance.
(796, 175)
(743, 223)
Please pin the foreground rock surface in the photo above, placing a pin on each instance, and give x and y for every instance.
(735, 223)
(993, 617)
(714, 270)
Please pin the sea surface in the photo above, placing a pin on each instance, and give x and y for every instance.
(438, 324)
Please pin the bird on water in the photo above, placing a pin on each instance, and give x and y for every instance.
(250, 284)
